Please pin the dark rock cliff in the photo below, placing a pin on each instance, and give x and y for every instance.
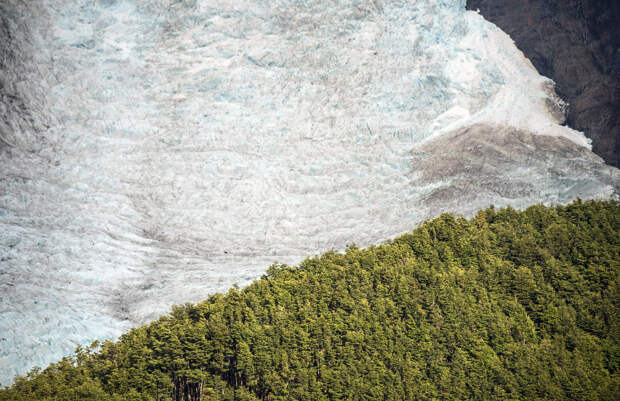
(577, 44)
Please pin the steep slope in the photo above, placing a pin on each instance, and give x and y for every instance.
(158, 151)
(509, 305)
(577, 44)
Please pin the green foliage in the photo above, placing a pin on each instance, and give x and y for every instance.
(509, 305)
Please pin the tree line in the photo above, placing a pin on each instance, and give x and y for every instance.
(508, 305)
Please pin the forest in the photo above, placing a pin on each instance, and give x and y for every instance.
(507, 305)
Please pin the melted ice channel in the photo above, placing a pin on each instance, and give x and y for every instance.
(156, 151)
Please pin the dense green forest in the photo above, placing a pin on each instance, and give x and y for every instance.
(508, 305)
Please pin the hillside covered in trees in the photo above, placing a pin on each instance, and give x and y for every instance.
(509, 305)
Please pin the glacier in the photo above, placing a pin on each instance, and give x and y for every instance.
(153, 152)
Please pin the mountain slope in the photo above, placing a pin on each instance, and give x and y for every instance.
(577, 44)
(508, 305)
(156, 151)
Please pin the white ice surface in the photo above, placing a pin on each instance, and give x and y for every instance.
(195, 142)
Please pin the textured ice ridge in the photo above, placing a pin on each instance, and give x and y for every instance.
(156, 151)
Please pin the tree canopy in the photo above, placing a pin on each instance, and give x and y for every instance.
(509, 305)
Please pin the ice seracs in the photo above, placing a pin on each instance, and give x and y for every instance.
(178, 147)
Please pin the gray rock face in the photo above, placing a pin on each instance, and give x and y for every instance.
(577, 44)
(156, 151)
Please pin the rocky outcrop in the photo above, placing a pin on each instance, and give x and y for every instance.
(577, 44)
(191, 144)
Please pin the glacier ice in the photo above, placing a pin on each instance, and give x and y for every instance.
(156, 151)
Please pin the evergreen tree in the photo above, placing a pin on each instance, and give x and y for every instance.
(509, 305)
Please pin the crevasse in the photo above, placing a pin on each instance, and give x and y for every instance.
(154, 152)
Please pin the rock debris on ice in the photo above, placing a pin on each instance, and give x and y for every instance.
(156, 151)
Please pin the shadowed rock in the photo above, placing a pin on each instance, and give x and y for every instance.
(191, 144)
(577, 44)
